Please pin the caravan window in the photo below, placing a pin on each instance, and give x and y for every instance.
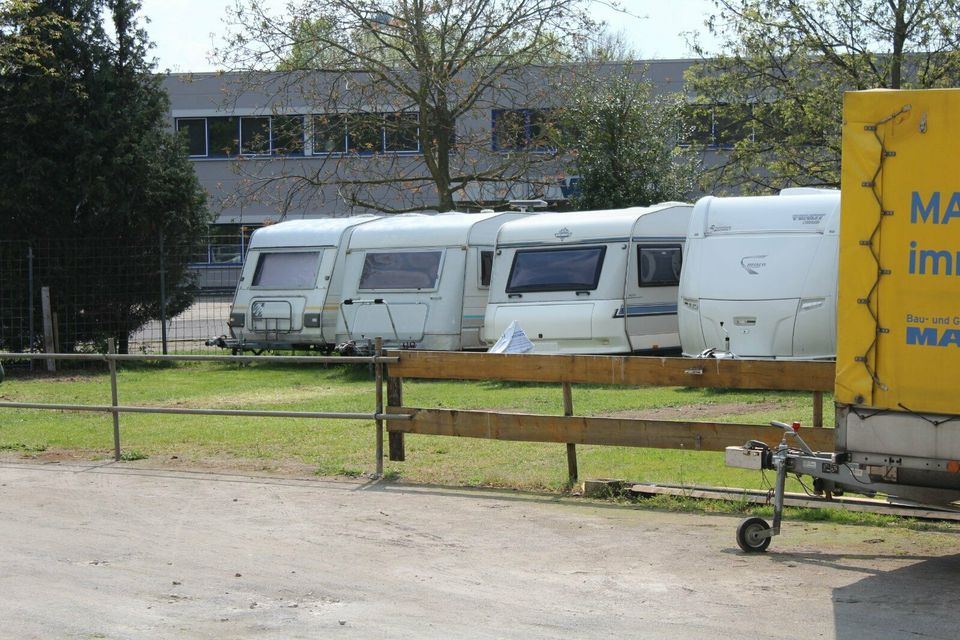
(401, 270)
(486, 267)
(574, 269)
(659, 265)
(290, 270)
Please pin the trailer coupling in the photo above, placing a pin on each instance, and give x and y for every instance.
(831, 472)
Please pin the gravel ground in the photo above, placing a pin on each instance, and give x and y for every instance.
(129, 551)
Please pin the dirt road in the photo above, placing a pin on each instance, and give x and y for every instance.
(110, 551)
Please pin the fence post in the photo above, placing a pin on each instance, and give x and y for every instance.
(571, 447)
(378, 367)
(163, 298)
(30, 301)
(112, 364)
(395, 399)
(48, 345)
(818, 408)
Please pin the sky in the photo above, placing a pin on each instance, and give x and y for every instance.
(185, 32)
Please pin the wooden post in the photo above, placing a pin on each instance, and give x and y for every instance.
(48, 343)
(571, 447)
(378, 367)
(114, 398)
(818, 408)
(395, 399)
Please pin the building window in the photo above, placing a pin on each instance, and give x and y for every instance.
(659, 266)
(288, 135)
(364, 133)
(329, 133)
(716, 125)
(255, 136)
(228, 136)
(195, 130)
(401, 132)
(226, 244)
(223, 136)
(524, 130)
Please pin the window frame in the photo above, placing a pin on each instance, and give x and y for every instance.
(659, 283)
(240, 142)
(206, 136)
(436, 282)
(598, 270)
(529, 141)
(261, 259)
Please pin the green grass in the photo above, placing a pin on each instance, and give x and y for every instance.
(346, 447)
(342, 447)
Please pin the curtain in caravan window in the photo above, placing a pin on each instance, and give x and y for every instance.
(659, 266)
(403, 270)
(297, 270)
(574, 269)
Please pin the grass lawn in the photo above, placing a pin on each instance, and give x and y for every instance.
(346, 447)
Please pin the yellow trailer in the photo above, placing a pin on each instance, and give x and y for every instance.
(898, 313)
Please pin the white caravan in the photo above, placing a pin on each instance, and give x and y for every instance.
(590, 281)
(419, 282)
(288, 296)
(760, 276)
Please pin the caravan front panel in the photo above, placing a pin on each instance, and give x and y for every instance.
(760, 275)
(288, 294)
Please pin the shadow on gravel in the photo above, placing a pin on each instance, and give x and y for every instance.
(915, 601)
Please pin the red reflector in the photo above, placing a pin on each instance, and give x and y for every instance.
(796, 427)
(953, 466)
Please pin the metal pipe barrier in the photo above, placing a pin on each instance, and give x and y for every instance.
(378, 360)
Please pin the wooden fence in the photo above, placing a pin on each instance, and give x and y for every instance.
(567, 370)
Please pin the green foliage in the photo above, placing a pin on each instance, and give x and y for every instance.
(622, 139)
(89, 169)
(782, 68)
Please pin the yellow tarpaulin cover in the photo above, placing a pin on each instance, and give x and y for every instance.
(898, 308)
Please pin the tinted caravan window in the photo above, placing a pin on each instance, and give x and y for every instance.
(403, 270)
(486, 267)
(659, 266)
(573, 269)
(288, 270)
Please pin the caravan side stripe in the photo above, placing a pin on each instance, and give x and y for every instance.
(635, 310)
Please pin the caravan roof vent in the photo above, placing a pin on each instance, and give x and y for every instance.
(526, 205)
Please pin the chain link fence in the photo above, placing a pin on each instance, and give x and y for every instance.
(72, 296)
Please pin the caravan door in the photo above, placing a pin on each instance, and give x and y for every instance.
(650, 294)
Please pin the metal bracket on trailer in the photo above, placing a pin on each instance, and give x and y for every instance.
(351, 343)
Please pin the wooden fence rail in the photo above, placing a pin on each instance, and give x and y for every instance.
(815, 377)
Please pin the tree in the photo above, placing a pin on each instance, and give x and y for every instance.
(426, 71)
(90, 175)
(622, 140)
(773, 93)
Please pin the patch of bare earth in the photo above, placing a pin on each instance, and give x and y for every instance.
(697, 412)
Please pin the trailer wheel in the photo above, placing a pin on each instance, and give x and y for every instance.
(750, 536)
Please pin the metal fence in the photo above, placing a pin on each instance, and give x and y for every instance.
(71, 296)
(111, 358)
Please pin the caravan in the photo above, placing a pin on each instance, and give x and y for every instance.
(289, 291)
(419, 282)
(592, 281)
(760, 276)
